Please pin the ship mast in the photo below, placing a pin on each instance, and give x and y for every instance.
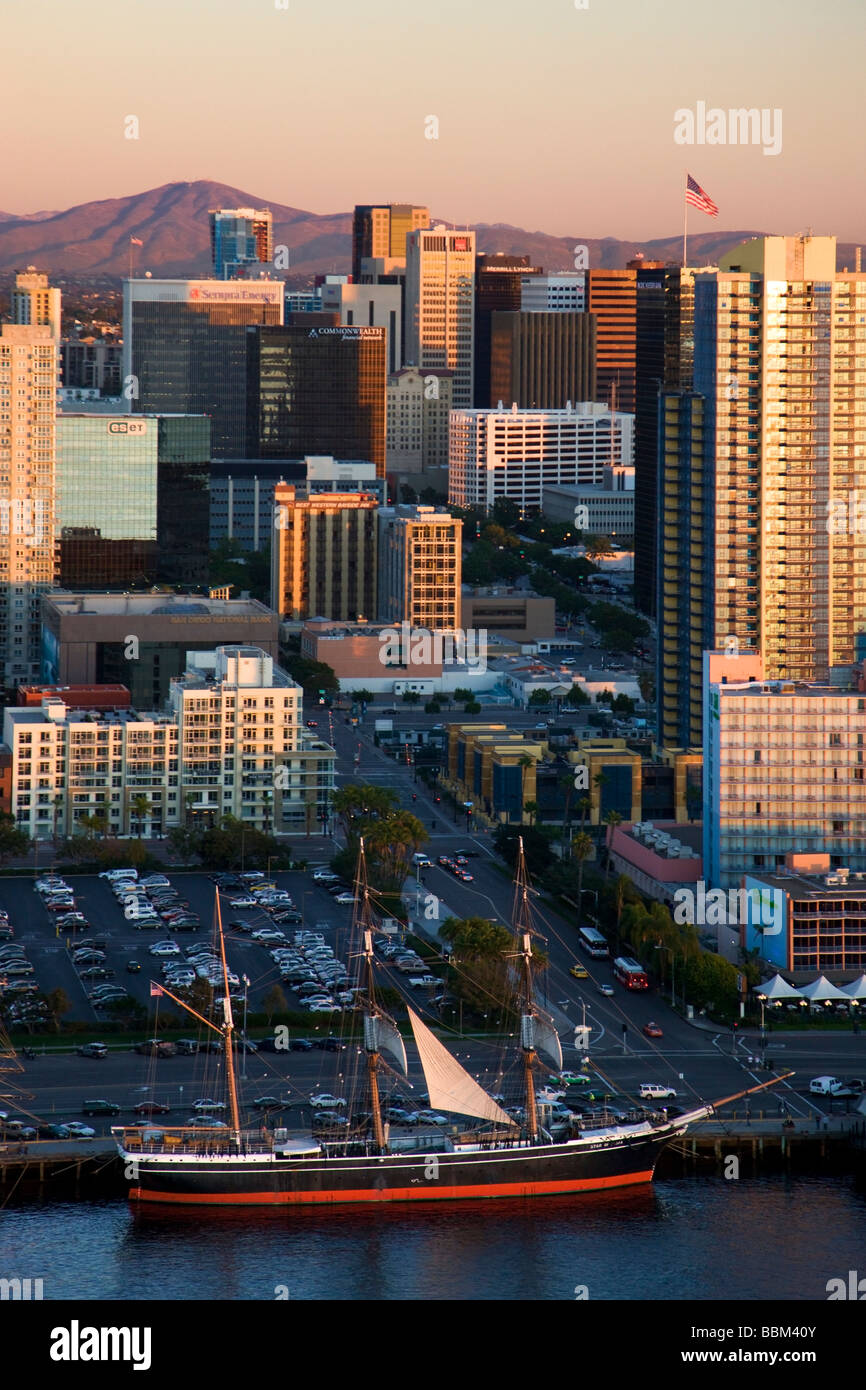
(227, 1030)
(523, 930)
(364, 925)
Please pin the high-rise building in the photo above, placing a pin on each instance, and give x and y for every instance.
(151, 529)
(373, 306)
(185, 346)
(318, 390)
(35, 302)
(241, 241)
(498, 281)
(664, 361)
(611, 297)
(564, 290)
(517, 453)
(379, 231)
(440, 306)
(542, 361)
(420, 568)
(782, 774)
(28, 456)
(232, 742)
(323, 555)
(768, 470)
(419, 405)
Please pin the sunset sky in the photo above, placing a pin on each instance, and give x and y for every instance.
(550, 117)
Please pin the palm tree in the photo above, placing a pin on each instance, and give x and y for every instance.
(566, 781)
(524, 762)
(58, 802)
(611, 820)
(141, 809)
(582, 847)
(584, 806)
(531, 809)
(619, 891)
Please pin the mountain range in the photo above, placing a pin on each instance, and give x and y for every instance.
(93, 239)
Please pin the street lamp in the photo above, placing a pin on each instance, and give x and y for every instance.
(246, 980)
(762, 1000)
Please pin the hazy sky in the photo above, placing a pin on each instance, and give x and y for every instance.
(550, 117)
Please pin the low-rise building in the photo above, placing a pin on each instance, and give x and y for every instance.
(818, 925)
(514, 613)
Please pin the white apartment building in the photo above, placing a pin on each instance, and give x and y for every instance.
(28, 457)
(784, 773)
(562, 292)
(518, 453)
(418, 407)
(232, 743)
(440, 305)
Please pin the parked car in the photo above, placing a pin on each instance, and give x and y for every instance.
(93, 1049)
(100, 1107)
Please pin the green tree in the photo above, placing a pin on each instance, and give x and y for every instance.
(647, 687)
(577, 696)
(58, 1005)
(531, 810)
(472, 707)
(411, 697)
(539, 697)
(274, 1002)
(612, 820)
(13, 842)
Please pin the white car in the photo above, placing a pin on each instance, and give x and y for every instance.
(344, 898)
(654, 1090)
(80, 1131)
(208, 1106)
(243, 902)
(606, 990)
(324, 1101)
(165, 948)
(325, 876)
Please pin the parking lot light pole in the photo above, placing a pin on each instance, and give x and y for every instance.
(246, 980)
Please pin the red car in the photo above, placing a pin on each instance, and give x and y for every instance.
(150, 1107)
(652, 1030)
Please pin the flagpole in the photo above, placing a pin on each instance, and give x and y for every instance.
(685, 219)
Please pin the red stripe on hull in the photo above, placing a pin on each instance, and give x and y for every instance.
(395, 1194)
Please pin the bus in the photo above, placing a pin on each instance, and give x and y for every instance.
(630, 973)
(593, 942)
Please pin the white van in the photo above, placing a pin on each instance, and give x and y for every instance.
(825, 1085)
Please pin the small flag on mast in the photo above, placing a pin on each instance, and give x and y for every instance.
(697, 198)
(134, 241)
(155, 991)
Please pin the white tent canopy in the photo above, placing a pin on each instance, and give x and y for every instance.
(856, 989)
(777, 988)
(821, 990)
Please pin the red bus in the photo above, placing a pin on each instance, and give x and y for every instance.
(630, 973)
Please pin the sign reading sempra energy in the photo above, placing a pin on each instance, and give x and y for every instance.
(209, 291)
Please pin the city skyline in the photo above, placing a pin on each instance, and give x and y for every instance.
(589, 101)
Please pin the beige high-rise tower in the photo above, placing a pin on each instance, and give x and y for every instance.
(28, 395)
(35, 302)
(762, 511)
(440, 306)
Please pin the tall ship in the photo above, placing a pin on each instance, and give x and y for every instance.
(501, 1156)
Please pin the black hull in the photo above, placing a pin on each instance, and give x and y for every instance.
(519, 1171)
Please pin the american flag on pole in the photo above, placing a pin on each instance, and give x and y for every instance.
(155, 991)
(134, 241)
(697, 198)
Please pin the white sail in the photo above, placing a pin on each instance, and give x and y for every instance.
(449, 1085)
(540, 1033)
(380, 1035)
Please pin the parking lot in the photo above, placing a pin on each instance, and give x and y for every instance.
(50, 948)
